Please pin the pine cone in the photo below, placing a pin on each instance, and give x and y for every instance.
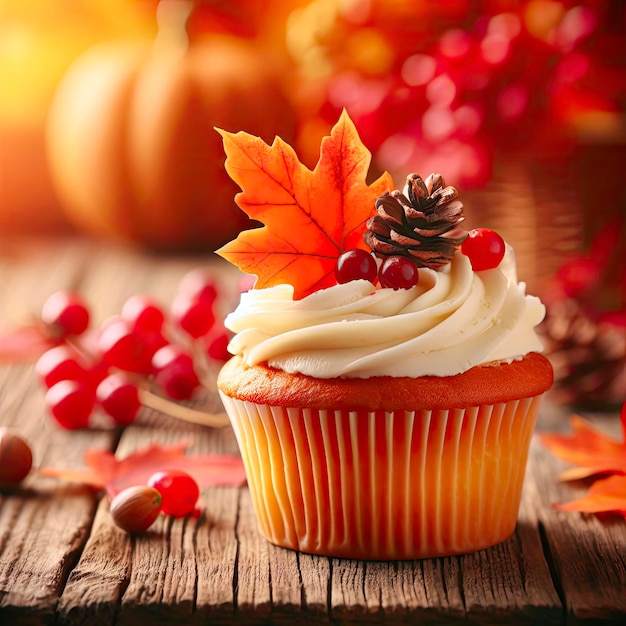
(423, 223)
(589, 357)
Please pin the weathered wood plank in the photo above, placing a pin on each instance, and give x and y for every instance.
(315, 580)
(392, 593)
(216, 556)
(587, 554)
(97, 583)
(45, 524)
(253, 583)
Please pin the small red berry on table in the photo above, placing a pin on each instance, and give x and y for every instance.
(143, 315)
(60, 363)
(71, 403)
(193, 314)
(179, 491)
(118, 395)
(199, 284)
(124, 348)
(174, 372)
(66, 313)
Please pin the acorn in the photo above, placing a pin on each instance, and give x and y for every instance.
(16, 459)
(136, 508)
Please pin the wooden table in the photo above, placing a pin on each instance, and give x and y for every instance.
(63, 561)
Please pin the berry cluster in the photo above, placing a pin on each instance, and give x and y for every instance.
(438, 85)
(485, 249)
(144, 345)
(172, 492)
(395, 272)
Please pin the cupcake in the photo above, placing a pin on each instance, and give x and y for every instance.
(383, 410)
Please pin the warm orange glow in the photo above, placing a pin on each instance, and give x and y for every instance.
(40, 38)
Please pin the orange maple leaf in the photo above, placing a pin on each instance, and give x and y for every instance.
(310, 217)
(596, 454)
(588, 447)
(105, 471)
(605, 496)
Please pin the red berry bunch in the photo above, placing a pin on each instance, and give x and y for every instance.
(484, 247)
(455, 86)
(146, 345)
(395, 272)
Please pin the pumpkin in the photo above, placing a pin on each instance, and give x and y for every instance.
(131, 140)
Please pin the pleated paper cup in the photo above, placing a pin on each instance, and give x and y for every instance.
(385, 485)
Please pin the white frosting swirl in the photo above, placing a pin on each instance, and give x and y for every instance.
(451, 321)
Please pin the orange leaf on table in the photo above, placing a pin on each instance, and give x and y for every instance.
(595, 453)
(607, 495)
(310, 217)
(588, 447)
(105, 471)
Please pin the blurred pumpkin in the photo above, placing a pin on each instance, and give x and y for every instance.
(131, 140)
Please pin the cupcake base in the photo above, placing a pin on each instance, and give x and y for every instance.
(385, 485)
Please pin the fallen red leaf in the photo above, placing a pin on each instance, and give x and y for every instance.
(105, 471)
(310, 217)
(23, 344)
(595, 453)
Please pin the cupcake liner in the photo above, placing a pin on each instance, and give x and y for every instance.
(385, 485)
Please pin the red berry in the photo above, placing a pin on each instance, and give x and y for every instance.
(175, 373)
(119, 397)
(70, 403)
(60, 363)
(194, 315)
(177, 381)
(122, 347)
(179, 491)
(398, 272)
(199, 284)
(97, 373)
(66, 312)
(143, 314)
(166, 355)
(217, 346)
(485, 249)
(355, 265)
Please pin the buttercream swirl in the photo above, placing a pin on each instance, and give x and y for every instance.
(451, 321)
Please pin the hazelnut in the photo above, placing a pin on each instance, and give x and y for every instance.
(16, 459)
(134, 509)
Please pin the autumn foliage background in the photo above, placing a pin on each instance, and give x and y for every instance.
(476, 89)
(520, 104)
